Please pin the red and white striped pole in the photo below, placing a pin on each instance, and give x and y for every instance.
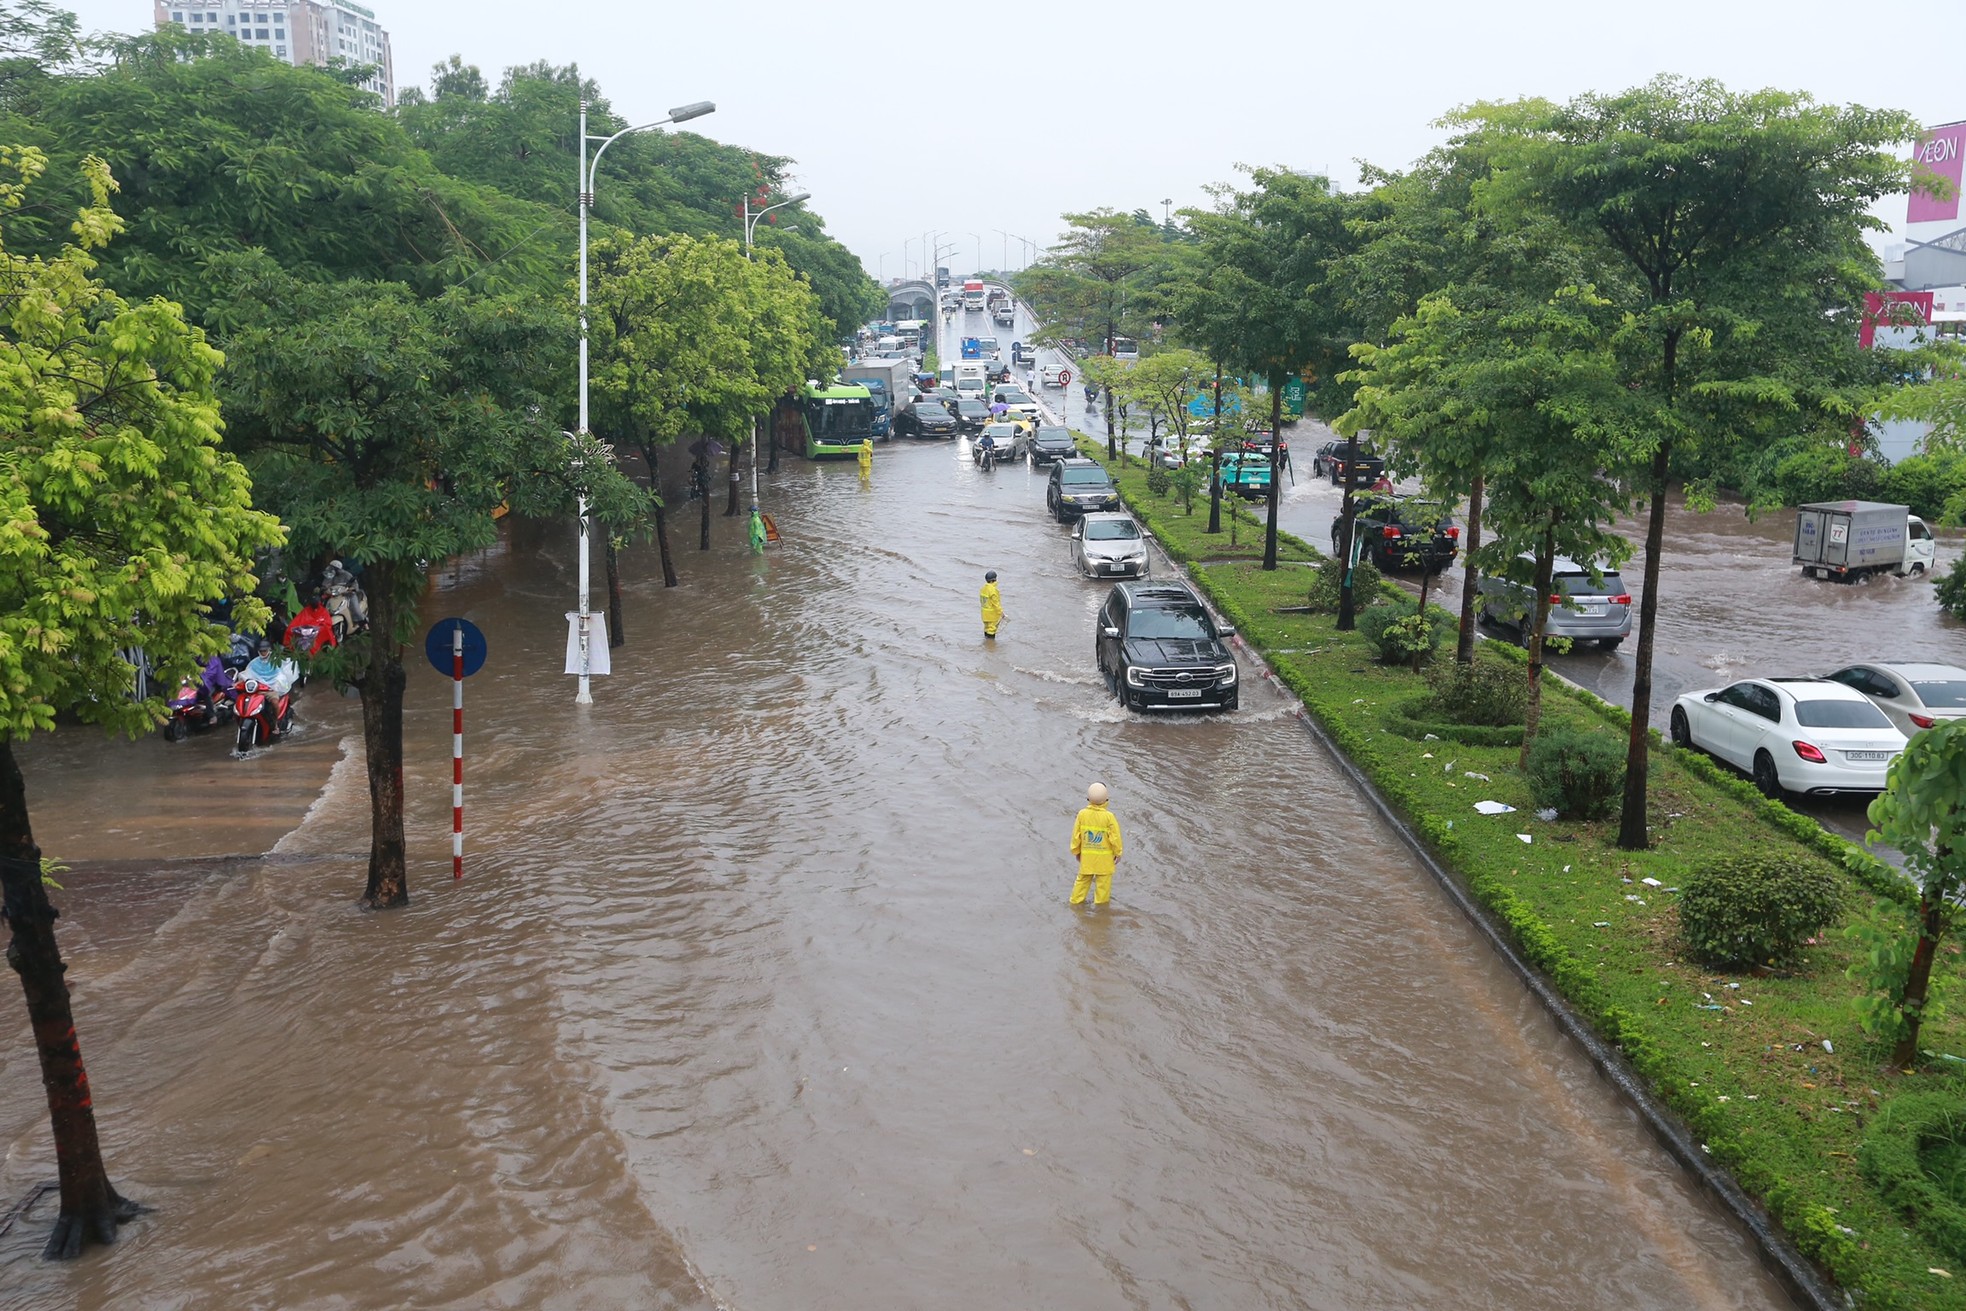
(457, 751)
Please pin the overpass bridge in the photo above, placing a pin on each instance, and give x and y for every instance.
(917, 298)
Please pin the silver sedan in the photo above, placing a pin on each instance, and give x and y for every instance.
(1109, 546)
(1915, 696)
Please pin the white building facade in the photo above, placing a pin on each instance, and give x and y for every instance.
(295, 32)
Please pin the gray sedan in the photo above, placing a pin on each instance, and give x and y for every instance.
(1914, 696)
(1109, 546)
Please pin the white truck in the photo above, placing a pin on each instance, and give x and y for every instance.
(972, 379)
(1848, 540)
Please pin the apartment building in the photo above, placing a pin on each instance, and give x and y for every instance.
(296, 31)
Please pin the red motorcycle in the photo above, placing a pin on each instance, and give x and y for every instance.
(263, 717)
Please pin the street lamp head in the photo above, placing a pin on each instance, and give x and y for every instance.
(697, 109)
(793, 200)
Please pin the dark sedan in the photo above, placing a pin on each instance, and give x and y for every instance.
(971, 415)
(925, 417)
(1051, 443)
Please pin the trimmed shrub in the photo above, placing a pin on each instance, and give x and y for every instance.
(1400, 633)
(1157, 479)
(1756, 908)
(1926, 482)
(1483, 692)
(1416, 717)
(1826, 473)
(1329, 578)
(1579, 775)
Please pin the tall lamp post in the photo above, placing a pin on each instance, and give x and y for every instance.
(585, 202)
(750, 230)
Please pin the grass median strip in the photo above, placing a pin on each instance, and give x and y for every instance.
(1770, 1069)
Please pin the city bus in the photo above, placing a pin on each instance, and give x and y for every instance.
(1125, 348)
(825, 422)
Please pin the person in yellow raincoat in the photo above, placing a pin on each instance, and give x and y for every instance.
(1096, 842)
(992, 604)
(866, 457)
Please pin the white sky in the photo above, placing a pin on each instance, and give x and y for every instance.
(982, 119)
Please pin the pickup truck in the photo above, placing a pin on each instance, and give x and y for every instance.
(1329, 461)
(1401, 532)
(1245, 473)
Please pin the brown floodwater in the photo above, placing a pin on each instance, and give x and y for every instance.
(761, 990)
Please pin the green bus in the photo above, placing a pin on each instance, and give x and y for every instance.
(824, 422)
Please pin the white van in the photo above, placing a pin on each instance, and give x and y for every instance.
(972, 379)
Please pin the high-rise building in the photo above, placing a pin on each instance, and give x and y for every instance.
(296, 31)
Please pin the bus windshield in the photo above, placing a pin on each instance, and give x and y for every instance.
(1125, 348)
(838, 419)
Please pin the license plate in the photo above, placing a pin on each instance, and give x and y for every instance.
(1592, 610)
(1184, 694)
(1867, 755)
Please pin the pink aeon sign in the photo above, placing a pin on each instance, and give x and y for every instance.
(1939, 151)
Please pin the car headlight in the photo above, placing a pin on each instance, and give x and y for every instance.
(1226, 673)
(1133, 678)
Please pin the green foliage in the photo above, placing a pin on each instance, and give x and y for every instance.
(1186, 481)
(1417, 717)
(1328, 580)
(122, 519)
(1480, 692)
(1885, 941)
(1932, 484)
(1578, 774)
(1757, 908)
(1400, 633)
(1825, 472)
(1951, 589)
(1158, 479)
(1911, 1152)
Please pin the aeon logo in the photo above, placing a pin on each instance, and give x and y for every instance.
(1939, 150)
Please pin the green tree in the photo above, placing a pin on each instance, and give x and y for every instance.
(121, 522)
(387, 429)
(1730, 231)
(1160, 386)
(1921, 812)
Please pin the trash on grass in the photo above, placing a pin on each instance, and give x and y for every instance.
(1547, 814)
(1471, 774)
(1524, 836)
(1652, 883)
(1493, 808)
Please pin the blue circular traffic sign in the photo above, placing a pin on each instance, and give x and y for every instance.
(439, 645)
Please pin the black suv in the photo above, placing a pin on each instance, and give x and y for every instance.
(924, 417)
(1079, 487)
(1050, 443)
(1401, 532)
(1162, 650)
(1330, 462)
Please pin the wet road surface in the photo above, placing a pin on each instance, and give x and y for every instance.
(761, 990)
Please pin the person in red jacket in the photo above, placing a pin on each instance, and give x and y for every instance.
(312, 628)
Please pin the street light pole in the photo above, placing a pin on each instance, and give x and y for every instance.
(750, 228)
(584, 199)
(1167, 211)
(979, 252)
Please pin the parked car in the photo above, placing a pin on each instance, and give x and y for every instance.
(1329, 462)
(925, 417)
(1246, 474)
(1808, 735)
(1580, 609)
(1162, 650)
(1079, 487)
(1402, 532)
(1013, 437)
(971, 415)
(1051, 375)
(1109, 545)
(1913, 696)
(1050, 443)
(1016, 398)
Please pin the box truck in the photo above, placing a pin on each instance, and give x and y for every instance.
(1847, 540)
(887, 381)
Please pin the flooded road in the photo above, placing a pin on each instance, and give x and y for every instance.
(761, 991)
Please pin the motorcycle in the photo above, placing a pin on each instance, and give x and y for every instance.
(346, 601)
(198, 705)
(264, 715)
(987, 457)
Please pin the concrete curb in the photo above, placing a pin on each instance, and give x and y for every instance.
(1798, 1276)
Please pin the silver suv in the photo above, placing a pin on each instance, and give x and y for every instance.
(1581, 610)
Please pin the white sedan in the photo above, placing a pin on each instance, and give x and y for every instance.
(1807, 735)
(1051, 375)
(1914, 696)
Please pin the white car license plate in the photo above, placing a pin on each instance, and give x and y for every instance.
(1867, 755)
(1592, 611)
(1184, 693)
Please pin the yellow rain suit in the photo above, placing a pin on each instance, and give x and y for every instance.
(1096, 842)
(866, 457)
(992, 609)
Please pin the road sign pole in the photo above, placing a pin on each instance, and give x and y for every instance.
(457, 751)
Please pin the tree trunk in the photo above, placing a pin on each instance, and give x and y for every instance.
(1470, 577)
(669, 578)
(615, 636)
(1276, 492)
(382, 686)
(1426, 577)
(1545, 579)
(736, 476)
(1632, 835)
(1347, 514)
(1215, 460)
(1112, 438)
(91, 1209)
(1918, 982)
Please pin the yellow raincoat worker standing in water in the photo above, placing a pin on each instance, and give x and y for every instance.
(866, 457)
(1096, 842)
(992, 604)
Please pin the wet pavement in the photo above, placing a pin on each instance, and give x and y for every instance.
(761, 990)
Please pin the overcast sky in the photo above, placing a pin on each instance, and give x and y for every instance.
(980, 120)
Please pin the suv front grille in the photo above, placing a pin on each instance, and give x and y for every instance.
(1166, 678)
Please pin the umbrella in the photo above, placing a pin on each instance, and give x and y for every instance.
(708, 447)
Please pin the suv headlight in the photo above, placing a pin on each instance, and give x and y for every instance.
(1227, 673)
(1133, 678)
